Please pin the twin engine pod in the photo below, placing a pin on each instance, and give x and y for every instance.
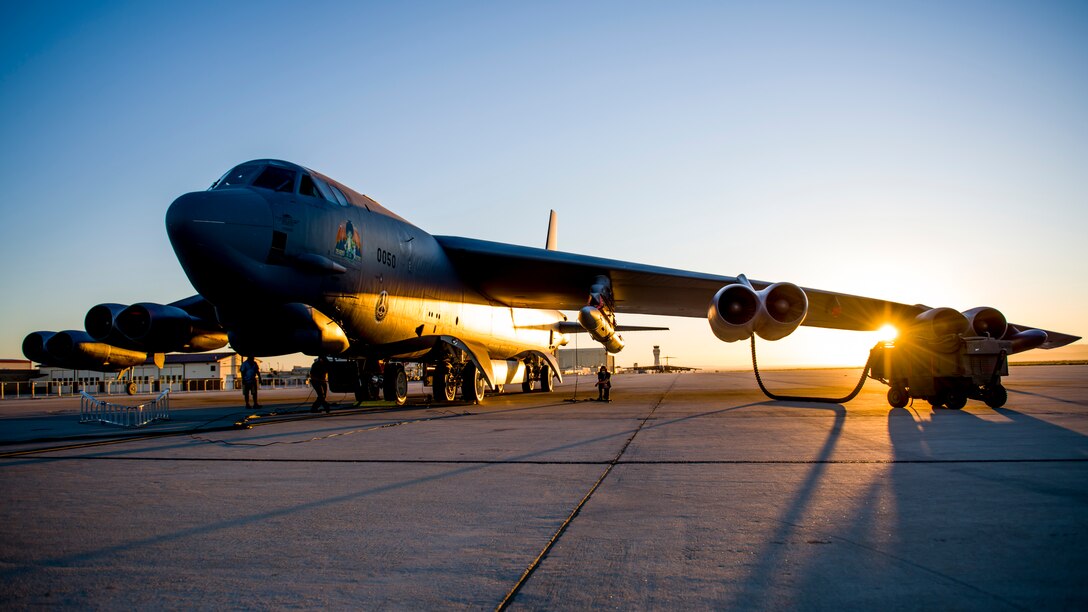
(120, 336)
(157, 328)
(938, 323)
(738, 310)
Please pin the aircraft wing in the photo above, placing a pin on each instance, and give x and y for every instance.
(526, 277)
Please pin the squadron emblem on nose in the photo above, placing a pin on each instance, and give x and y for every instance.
(347, 242)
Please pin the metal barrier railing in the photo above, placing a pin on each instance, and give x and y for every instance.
(94, 410)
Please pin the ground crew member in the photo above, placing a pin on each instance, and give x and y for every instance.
(251, 379)
(604, 383)
(319, 380)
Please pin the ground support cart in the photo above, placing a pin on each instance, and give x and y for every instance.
(945, 372)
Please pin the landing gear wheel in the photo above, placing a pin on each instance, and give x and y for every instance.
(955, 401)
(527, 384)
(367, 390)
(395, 384)
(445, 389)
(130, 388)
(897, 397)
(473, 384)
(547, 384)
(995, 396)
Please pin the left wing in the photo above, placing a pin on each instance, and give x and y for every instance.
(527, 277)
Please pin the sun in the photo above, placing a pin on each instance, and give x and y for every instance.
(887, 333)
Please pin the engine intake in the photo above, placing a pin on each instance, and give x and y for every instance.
(936, 323)
(986, 321)
(737, 311)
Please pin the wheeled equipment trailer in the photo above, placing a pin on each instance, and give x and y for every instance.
(945, 372)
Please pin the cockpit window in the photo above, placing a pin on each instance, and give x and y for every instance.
(276, 179)
(306, 187)
(324, 189)
(341, 199)
(238, 176)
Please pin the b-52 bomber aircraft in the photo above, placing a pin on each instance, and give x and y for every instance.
(287, 260)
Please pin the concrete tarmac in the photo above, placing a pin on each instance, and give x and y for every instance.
(686, 491)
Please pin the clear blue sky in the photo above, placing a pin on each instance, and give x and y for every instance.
(932, 152)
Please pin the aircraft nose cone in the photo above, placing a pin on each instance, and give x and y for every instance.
(219, 232)
(196, 214)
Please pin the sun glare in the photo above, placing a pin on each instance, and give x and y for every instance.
(887, 333)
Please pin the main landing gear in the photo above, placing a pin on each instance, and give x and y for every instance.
(452, 377)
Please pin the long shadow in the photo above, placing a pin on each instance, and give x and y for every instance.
(303, 436)
(752, 595)
(83, 557)
(968, 526)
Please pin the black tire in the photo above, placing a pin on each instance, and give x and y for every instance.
(367, 390)
(395, 384)
(130, 388)
(897, 397)
(527, 384)
(445, 389)
(995, 396)
(547, 383)
(473, 384)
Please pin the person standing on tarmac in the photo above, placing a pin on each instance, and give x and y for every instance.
(604, 383)
(251, 379)
(319, 380)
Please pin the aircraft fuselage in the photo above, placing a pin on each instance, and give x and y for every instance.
(387, 283)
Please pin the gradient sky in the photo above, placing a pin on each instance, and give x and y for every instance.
(924, 152)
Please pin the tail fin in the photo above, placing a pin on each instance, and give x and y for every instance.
(553, 227)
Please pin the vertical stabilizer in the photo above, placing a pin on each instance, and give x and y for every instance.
(552, 229)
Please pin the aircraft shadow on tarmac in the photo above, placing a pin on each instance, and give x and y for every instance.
(945, 523)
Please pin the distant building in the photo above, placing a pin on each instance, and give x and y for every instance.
(585, 359)
(17, 370)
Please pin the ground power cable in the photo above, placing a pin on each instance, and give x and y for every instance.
(805, 398)
(506, 601)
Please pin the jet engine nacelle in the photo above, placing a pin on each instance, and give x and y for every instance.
(160, 328)
(986, 321)
(737, 311)
(937, 323)
(295, 328)
(78, 350)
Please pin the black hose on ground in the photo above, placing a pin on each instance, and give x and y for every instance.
(803, 398)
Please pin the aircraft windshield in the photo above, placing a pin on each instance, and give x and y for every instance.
(276, 179)
(238, 176)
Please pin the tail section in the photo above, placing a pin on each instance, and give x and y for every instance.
(553, 227)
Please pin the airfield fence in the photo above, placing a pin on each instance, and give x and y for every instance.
(94, 410)
(67, 388)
